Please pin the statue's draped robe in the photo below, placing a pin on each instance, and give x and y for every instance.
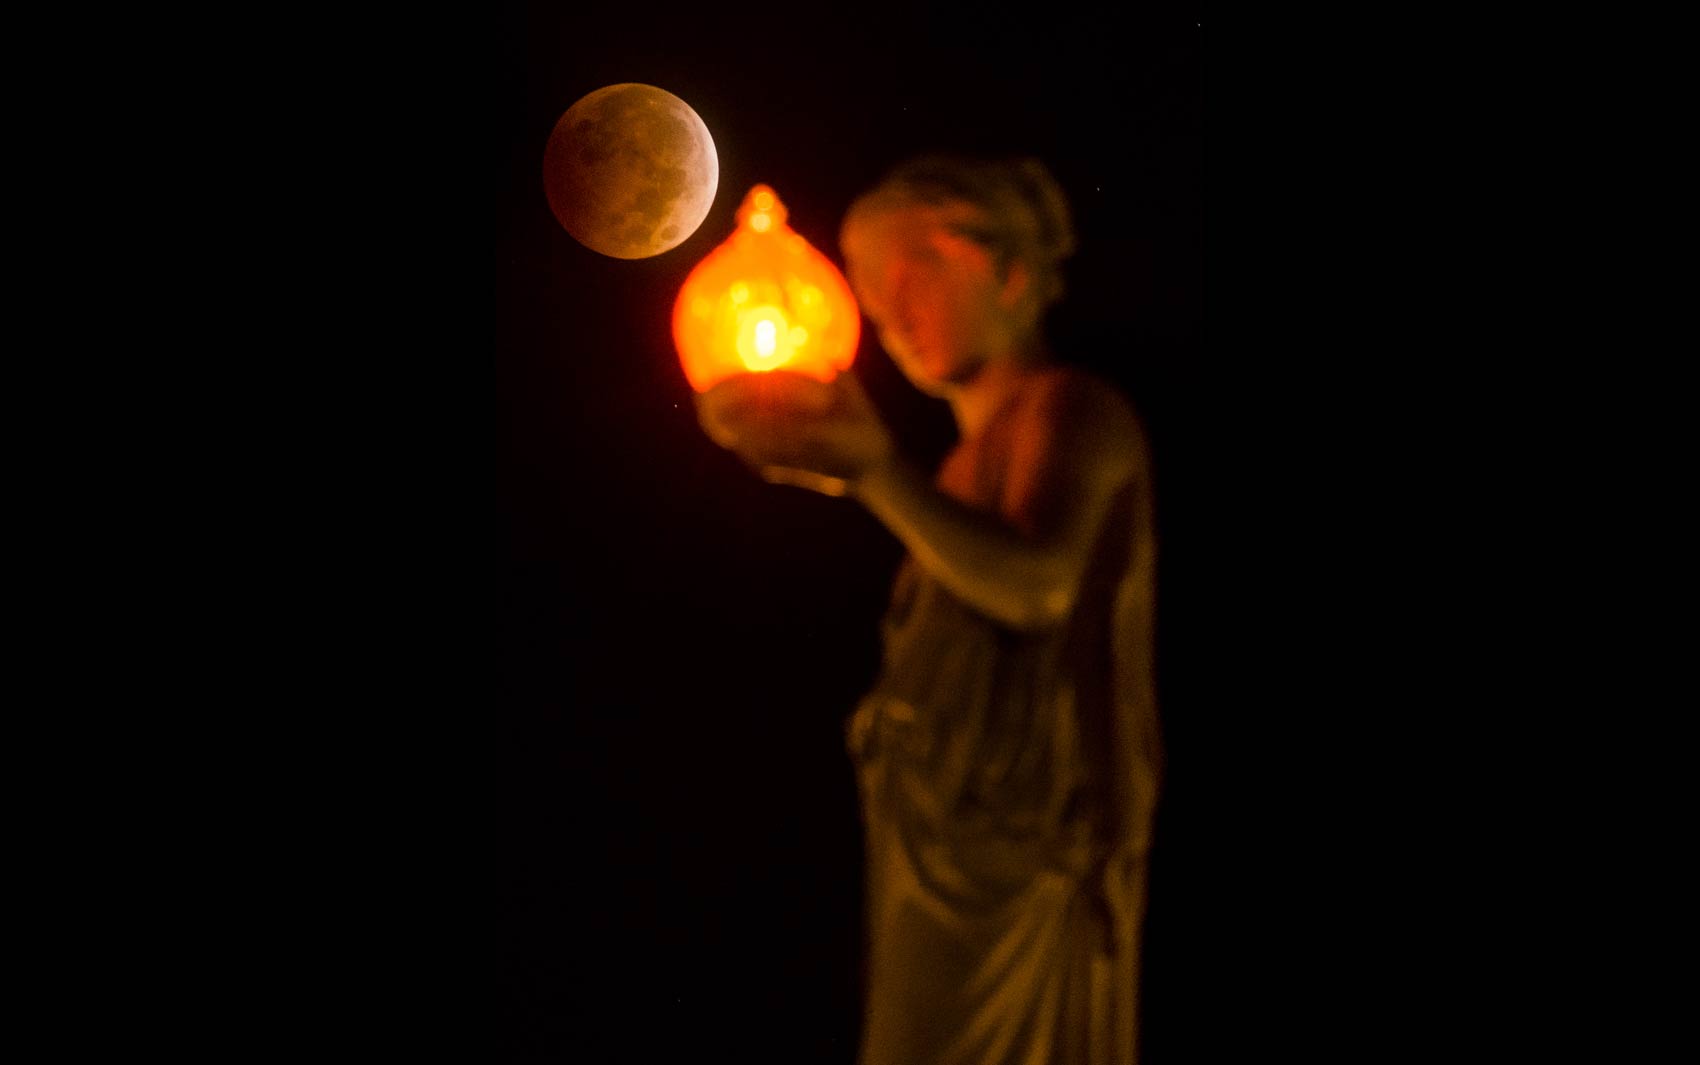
(1008, 781)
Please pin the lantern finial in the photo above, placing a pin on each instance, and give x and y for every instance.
(761, 210)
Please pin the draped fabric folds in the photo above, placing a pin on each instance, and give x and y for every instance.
(1008, 781)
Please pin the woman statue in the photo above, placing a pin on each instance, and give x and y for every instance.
(1008, 755)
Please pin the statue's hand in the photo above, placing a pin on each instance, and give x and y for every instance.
(796, 430)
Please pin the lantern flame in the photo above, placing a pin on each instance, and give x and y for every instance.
(764, 341)
(765, 299)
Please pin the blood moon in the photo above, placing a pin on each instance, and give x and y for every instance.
(630, 171)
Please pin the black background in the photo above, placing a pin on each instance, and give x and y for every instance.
(677, 642)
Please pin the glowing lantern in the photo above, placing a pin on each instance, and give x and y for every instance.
(764, 300)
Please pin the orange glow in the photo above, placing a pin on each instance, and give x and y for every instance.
(764, 299)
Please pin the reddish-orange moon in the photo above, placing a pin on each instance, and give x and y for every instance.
(630, 171)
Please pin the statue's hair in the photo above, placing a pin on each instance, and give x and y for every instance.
(1026, 212)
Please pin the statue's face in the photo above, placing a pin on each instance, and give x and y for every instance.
(933, 295)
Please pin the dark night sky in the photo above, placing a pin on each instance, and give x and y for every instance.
(679, 642)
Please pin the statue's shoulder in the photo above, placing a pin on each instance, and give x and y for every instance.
(1078, 403)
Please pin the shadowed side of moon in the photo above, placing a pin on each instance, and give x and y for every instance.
(630, 171)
